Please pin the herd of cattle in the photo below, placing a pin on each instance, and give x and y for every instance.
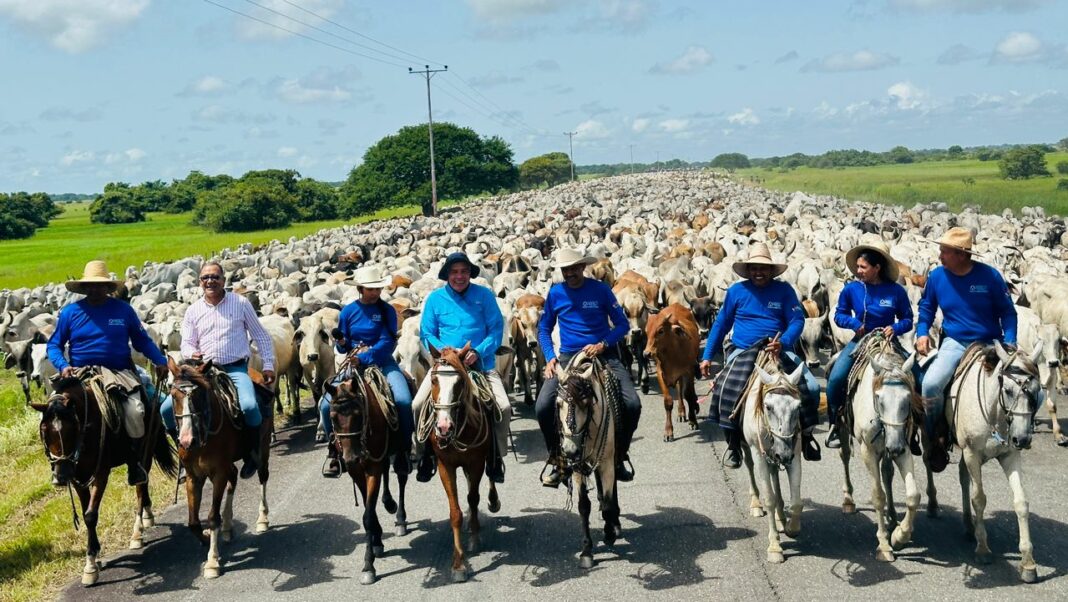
(661, 239)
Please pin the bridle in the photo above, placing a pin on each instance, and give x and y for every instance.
(73, 456)
(893, 377)
(573, 392)
(464, 397)
(201, 424)
(782, 387)
(1011, 411)
(358, 404)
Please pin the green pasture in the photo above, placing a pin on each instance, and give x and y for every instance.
(954, 182)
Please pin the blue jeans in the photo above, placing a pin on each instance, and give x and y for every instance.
(246, 393)
(166, 404)
(836, 380)
(939, 373)
(402, 396)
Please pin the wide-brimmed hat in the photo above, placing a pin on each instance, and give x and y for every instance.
(371, 276)
(889, 272)
(569, 257)
(758, 255)
(958, 238)
(96, 272)
(453, 259)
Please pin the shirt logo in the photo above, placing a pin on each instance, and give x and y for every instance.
(886, 302)
(590, 305)
(978, 288)
(116, 322)
(774, 305)
(376, 318)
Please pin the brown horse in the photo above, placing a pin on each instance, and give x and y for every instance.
(209, 444)
(82, 451)
(367, 433)
(460, 432)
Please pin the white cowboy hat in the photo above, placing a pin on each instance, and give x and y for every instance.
(96, 272)
(958, 238)
(371, 276)
(758, 255)
(569, 257)
(890, 271)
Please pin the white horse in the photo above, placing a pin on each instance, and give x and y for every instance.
(991, 411)
(770, 426)
(882, 406)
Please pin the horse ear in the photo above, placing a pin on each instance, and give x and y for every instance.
(206, 366)
(331, 388)
(909, 363)
(765, 377)
(172, 367)
(434, 353)
(795, 376)
(1003, 356)
(465, 349)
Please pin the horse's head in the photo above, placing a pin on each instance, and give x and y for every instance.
(63, 422)
(348, 414)
(781, 412)
(574, 404)
(450, 387)
(894, 393)
(1019, 393)
(192, 409)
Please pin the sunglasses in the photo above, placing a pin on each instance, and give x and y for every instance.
(208, 277)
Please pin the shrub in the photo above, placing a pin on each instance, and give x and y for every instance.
(1062, 167)
(1023, 162)
(116, 206)
(245, 206)
(1062, 184)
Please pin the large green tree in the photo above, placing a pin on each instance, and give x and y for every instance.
(22, 213)
(548, 170)
(116, 206)
(396, 170)
(730, 161)
(1023, 162)
(247, 205)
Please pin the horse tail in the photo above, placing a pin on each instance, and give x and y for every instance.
(166, 457)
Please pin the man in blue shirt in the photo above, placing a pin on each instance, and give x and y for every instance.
(591, 321)
(975, 306)
(98, 331)
(453, 316)
(758, 308)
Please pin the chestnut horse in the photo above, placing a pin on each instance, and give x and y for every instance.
(460, 431)
(209, 444)
(82, 450)
(367, 433)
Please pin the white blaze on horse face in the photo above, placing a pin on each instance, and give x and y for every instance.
(446, 387)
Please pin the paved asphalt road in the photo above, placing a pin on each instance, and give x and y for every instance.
(686, 534)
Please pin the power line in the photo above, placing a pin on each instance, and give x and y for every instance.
(429, 73)
(499, 108)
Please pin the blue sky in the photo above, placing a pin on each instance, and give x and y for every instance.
(133, 90)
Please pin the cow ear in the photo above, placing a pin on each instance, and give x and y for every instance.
(465, 349)
(38, 338)
(325, 337)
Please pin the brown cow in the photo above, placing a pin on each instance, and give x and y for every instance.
(673, 343)
(528, 354)
(602, 270)
(634, 297)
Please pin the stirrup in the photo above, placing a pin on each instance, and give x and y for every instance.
(622, 473)
(331, 468)
(555, 476)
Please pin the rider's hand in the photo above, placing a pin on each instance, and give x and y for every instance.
(470, 358)
(550, 368)
(268, 377)
(860, 331)
(706, 368)
(888, 332)
(162, 373)
(923, 345)
(595, 349)
(67, 372)
(197, 357)
(774, 347)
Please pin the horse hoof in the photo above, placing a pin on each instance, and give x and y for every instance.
(378, 551)
(792, 532)
(90, 578)
(136, 544)
(390, 506)
(1063, 442)
(693, 426)
(776, 558)
(211, 573)
(884, 556)
(320, 437)
(148, 522)
(401, 530)
(494, 506)
(262, 527)
(984, 558)
(899, 538)
(586, 562)
(459, 575)
(1028, 575)
(669, 438)
(227, 536)
(756, 512)
(849, 508)
(471, 547)
(368, 577)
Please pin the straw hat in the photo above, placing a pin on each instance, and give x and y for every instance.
(958, 238)
(96, 272)
(569, 257)
(889, 272)
(371, 276)
(758, 255)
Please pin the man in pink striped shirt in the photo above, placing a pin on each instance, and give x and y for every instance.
(217, 328)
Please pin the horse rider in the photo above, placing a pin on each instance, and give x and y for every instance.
(590, 321)
(98, 331)
(756, 308)
(368, 326)
(456, 314)
(217, 327)
(976, 307)
(874, 301)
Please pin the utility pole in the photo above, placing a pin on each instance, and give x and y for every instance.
(571, 152)
(428, 72)
(632, 159)
(657, 161)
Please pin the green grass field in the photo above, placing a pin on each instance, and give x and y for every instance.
(953, 182)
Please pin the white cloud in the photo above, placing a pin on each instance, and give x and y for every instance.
(254, 30)
(692, 59)
(906, 95)
(292, 90)
(131, 155)
(323, 85)
(77, 156)
(73, 25)
(625, 15)
(287, 151)
(209, 85)
(1018, 47)
(673, 126)
(509, 10)
(744, 117)
(861, 60)
(592, 130)
(957, 54)
(639, 124)
(135, 154)
(966, 6)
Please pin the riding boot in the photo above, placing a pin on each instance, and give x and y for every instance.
(251, 463)
(135, 474)
(553, 473)
(810, 450)
(624, 474)
(833, 440)
(495, 468)
(938, 456)
(331, 468)
(428, 465)
(733, 457)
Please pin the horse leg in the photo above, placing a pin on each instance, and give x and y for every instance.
(227, 530)
(763, 478)
(1010, 464)
(932, 492)
(494, 499)
(147, 516)
(777, 509)
(886, 470)
(388, 502)
(884, 552)
(691, 402)
(137, 537)
(1051, 407)
(373, 528)
(456, 520)
(194, 490)
(401, 520)
(793, 474)
(219, 488)
(586, 554)
(90, 502)
(903, 533)
(607, 494)
(756, 509)
(848, 505)
(965, 494)
(263, 521)
(473, 472)
(974, 462)
(669, 429)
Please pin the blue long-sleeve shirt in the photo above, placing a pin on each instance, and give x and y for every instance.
(452, 319)
(373, 325)
(975, 307)
(874, 306)
(754, 313)
(100, 335)
(588, 314)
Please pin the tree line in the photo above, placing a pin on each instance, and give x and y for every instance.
(22, 213)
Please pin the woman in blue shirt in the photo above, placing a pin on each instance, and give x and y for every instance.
(871, 302)
(370, 324)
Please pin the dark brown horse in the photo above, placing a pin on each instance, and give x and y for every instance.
(460, 432)
(83, 449)
(209, 444)
(367, 434)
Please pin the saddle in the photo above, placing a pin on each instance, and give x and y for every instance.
(731, 386)
(111, 388)
(870, 346)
